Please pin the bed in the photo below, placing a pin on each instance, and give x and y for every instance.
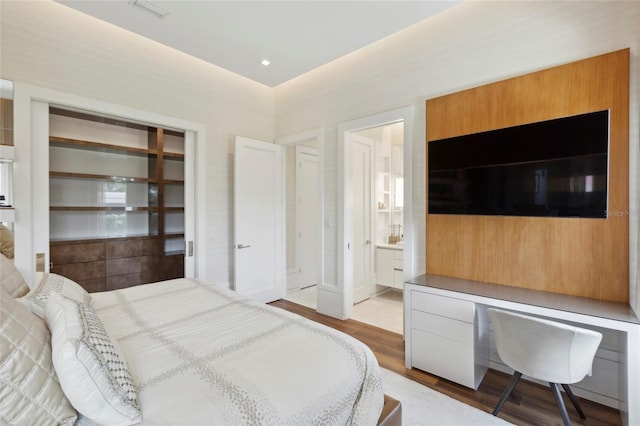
(188, 352)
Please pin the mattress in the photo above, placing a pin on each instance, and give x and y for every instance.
(201, 354)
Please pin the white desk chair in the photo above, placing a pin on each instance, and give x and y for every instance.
(545, 350)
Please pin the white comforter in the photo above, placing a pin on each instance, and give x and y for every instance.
(202, 355)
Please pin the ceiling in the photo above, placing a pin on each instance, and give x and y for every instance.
(295, 36)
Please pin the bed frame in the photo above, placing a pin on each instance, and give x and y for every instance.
(391, 412)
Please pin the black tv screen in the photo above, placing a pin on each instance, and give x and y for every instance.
(553, 168)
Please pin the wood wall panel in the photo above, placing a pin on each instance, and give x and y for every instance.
(584, 257)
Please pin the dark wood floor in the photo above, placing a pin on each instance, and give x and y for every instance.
(529, 404)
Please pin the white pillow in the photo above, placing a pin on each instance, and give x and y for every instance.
(11, 280)
(54, 283)
(30, 393)
(92, 371)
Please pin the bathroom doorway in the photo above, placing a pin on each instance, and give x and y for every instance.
(383, 215)
(390, 241)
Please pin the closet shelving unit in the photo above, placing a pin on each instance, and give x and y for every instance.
(7, 155)
(116, 201)
(389, 210)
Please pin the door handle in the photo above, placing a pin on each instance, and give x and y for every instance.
(367, 242)
(242, 246)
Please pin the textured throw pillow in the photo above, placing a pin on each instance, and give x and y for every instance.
(54, 283)
(92, 371)
(30, 393)
(11, 280)
(6, 241)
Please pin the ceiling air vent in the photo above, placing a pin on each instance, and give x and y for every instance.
(151, 8)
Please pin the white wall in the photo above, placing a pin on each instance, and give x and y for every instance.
(49, 45)
(46, 44)
(466, 46)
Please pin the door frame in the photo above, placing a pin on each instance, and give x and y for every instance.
(316, 135)
(302, 150)
(31, 179)
(345, 223)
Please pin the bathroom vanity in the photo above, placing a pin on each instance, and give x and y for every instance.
(389, 269)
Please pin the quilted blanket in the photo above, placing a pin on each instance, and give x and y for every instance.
(200, 354)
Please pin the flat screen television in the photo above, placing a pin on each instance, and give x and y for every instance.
(552, 168)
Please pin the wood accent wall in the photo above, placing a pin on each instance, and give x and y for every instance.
(582, 257)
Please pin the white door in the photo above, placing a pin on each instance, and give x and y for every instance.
(307, 214)
(362, 222)
(259, 220)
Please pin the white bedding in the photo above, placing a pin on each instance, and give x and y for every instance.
(200, 354)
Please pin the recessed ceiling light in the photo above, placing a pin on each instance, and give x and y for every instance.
(265, 62)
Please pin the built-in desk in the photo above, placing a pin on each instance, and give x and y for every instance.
(446, 324)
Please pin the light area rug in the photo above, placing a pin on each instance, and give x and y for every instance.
(424, 406)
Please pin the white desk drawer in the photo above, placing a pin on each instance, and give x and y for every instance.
(443, 357)
(459, 331)
(461, 310)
